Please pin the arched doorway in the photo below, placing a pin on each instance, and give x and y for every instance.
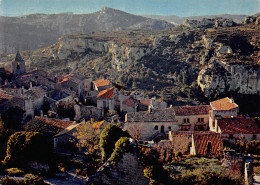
(162, 129)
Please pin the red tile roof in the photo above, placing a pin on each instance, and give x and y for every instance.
(223, 104)
(202, 140)
(65, 80)
(238, 125)
(192, 110)
(101, 82)
(55, 122)
(107, 94)
(145, 101)
(129, 102)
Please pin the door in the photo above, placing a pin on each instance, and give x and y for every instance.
(162, 129)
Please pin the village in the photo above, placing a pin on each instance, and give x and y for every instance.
(57, 106)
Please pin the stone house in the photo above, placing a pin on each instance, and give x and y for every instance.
(239, 129)
(47, 126)
(105, 100)
(152, 123)
(129, 105)
(222, 108)
(193, 118)
(75, 83)
(202, 143)
(101, 84)
(66, 141)
(34, 100)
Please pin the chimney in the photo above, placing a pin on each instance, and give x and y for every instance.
(31, 85)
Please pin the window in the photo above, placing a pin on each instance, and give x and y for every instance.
(231, 136)
(156, 127)
(200, 120)
(18, 66)
(254, 137)
(169, 128)
(184, 120)
(188, 120)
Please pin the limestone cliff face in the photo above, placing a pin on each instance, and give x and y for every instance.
(71, 44)
(219, 77)
(123, 56)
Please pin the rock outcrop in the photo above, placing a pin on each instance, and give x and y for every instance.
(127, 171)
(209, 23)
(219, 77)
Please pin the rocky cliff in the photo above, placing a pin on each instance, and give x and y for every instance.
(170, 63)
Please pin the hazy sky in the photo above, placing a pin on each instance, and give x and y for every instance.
(159, 7)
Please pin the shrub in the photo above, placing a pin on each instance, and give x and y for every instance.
(23, 146)
(121, 146)
(29, 180)
(14, 171)
(109, 137)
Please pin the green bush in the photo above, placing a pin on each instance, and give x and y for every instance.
(24, 146)
(121, 146)
(109, 137)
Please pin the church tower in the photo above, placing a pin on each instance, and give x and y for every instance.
(18, 65)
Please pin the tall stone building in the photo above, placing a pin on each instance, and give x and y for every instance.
(18, 65)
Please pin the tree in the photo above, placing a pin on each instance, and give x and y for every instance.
(135, 130)
(109, 137)
(88, 136)
(24, 146)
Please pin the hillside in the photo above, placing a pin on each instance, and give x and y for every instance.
(173, 64)
(41, 30)
(180, 20)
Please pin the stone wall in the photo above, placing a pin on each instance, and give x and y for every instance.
(127, 171)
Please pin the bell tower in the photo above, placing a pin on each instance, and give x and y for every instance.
(18, 65)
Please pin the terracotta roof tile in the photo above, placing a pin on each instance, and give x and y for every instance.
(107, 94)
(238, 125)
(129, 102)
(223, 104)
(101, 82)
(145, 101)
(55, 122)
(202, 140)
(192, 110)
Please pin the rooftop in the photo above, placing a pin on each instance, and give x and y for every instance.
(223, 104)
(107, 94)
(160, 115)
(101, 82)
(202, 140)
(192, 110)
(129, 102)
(68, 130)
(238, 125)
(55, 122)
